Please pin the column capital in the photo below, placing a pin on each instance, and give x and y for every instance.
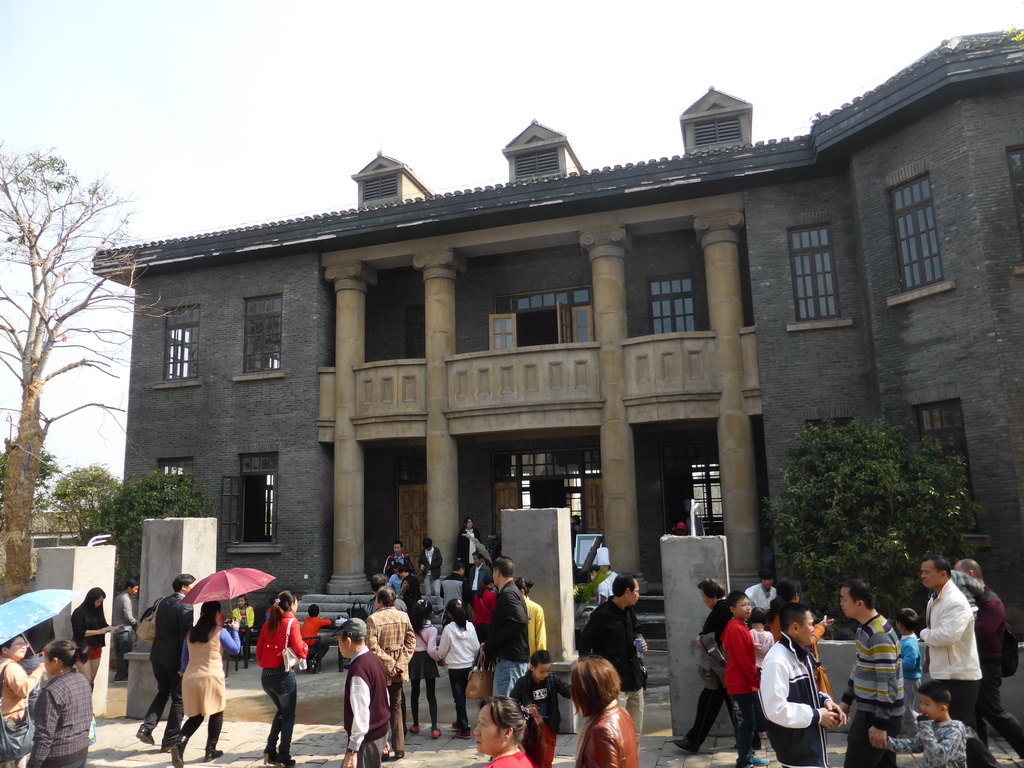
(351, 276)
(719, 227)
(439, 262)
(606, 242)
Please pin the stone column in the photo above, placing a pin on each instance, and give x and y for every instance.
(439, 268)
(720, 237)
(350, 283)
(171, 546)
(81, 569)
(607, 250)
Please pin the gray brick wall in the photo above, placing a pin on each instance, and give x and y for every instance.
(220, 418)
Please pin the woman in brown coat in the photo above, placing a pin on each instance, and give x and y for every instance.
(202, 685)
(608, 738)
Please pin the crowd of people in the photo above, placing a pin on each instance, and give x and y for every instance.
(775, 686)
(758, 656)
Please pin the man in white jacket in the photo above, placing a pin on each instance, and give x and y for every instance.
(952, 657)
(797, 712)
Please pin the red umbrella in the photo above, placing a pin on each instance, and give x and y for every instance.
(224, 585)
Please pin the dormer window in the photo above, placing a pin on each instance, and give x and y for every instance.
(381, 188)
(539, 153)
(386, 180)
(544, 163)
(709, 132)
(716, 121)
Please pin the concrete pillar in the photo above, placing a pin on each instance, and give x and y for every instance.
(548, 566)
(685, 561)
(439, 268)
(607, 250)
(170, 547)
(350, 283)
(81, 569)
(719, 237)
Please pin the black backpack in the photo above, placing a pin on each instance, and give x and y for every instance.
(1010, 652)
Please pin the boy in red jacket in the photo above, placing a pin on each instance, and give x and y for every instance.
(741, 678)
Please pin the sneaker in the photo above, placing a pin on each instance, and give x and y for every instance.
(436, 733)
(758, 761)
(414, 730)
(145, 736)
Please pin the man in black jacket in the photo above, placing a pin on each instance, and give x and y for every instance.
(173, 623)
(612, 632)
(508, 644)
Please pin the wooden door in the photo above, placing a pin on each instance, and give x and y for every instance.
(506, 496)
(593, 505)
(412, 519)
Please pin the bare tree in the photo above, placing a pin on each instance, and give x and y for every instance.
(52, 314)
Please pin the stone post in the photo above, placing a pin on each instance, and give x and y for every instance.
(548, 566)
(170, 547)
(81, 569)
(350, 283)
(719, 237)
(607, 250)
(685, 561)
(439, 268)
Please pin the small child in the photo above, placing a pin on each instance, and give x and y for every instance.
(539, 687)
(763, 641)
(741, 678)
(762, 638)
(906, 622)
(942, 739)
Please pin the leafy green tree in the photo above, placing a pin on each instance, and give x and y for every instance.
(77, 498)
(144, 497)
(859, 501)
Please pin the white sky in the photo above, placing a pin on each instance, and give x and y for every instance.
(214, 114)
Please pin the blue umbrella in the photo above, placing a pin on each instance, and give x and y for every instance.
(31, 608)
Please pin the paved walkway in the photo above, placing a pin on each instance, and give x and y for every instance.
(319, 745)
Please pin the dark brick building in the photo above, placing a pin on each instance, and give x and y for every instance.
(618, 341)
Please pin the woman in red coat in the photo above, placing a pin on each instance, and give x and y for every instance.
(280, 630)
(608, 738)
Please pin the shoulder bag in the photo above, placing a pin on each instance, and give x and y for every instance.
(147, 626)
(291, 659)
(1011, 652)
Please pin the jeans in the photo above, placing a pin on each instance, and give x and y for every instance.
(507, 674)
(431, 586)
(989, 709)
(122, 645)
(744, 703)
(458, 679)
(168, 686)
(859, 752)
(281, 690)
(963, 708)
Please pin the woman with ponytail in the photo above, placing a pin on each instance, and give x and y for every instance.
(280, 631)
(202, 685)
(510, 734)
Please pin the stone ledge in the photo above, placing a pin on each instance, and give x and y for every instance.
(923, 292)
(178, 384)
(259, 376)
(816, 325)
(1018, 270)
(254, 549)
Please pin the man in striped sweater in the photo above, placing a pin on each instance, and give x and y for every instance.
(876, 681)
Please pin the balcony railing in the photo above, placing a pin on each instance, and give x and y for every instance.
(671, 376)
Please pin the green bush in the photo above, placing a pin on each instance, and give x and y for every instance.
(145, 497)
(858, 501)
